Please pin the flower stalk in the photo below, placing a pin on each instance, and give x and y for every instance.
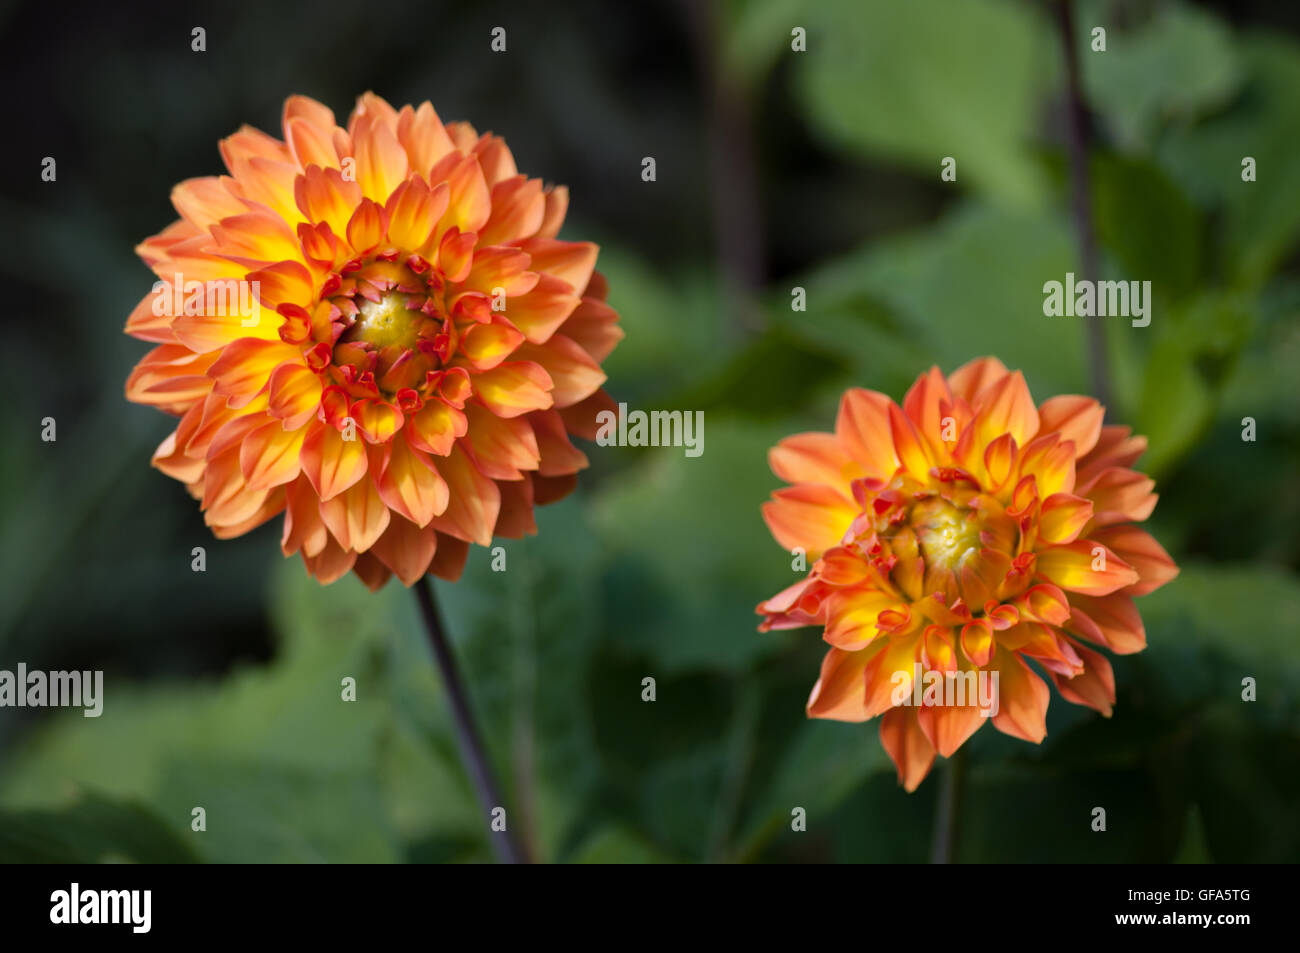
(472, 753)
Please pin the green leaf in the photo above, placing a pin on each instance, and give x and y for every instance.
(692, 555)
(969, 286)
(1261, 219)
(1149, 225)
(1179, 64)
(92, 829)
(1245, 613)
(880, 78)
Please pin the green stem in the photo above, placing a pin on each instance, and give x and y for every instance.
(468, 740)
(948, 814)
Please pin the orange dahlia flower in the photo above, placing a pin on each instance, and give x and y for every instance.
(955, 538)
(374, 331)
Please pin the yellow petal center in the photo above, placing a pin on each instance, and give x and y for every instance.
(387, 321)
(944, 532)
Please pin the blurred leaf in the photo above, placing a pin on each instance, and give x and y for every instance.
(528, 638)
(827, 761)
(1176, 405)
(673, 324)
(1193, 849)
(93, 829)
(774, 374)
(617, 845)
(1178, 64)
(878, 77)
(1147, 223)
(274, 754)
(757, 34)
(1245, 613)
(692, 553)
(969, 286)
(1261, 218)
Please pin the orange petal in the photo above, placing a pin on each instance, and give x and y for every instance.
(310, 144)
(541, 311)
(851, 617)
(413, 211)
(559, 457)
(815, 458)
(471, 513)
(840, 691)
(377, 420)
(449, 558)
(912, 453)
(295, 395)
(1112, 621)
(381, 160)
(1120, 496)
(518, 209)
(470, 201)
(303, 528)
(1005, 406)
(922, 405)
(268, 457)
(1051, 463)
(594, 325)
(1077, 419)
(245, 368)
(409, 483)
(809, 516)
(206, 201)
(331, 564)
(323, 195)
(863, 428)
(367, 226)
(501, 447)
(1115, 448)
(286, 282)
(1071, 566)
(574, 375)
(907, 745)
(356, 517)
(1062, 517)
(330, 462)
(977, 642)
(891, 672)
(1094, 686)
(435, 428)
(947, 727)
(571, 262)
(1022, 699)
(557, 205)
(406, 549)
(1140, 550)
(487, 345)
(255, 239)
(514, 388)
(973, 377)
(422, 135)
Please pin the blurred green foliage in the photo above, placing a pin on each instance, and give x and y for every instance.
(224, 688)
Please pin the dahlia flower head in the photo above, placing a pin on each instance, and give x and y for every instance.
(966, 531)
(418, 349)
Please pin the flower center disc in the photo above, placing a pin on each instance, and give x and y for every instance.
(944, 532)
(386, 322)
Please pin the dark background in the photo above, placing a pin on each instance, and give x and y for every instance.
(775, 169)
